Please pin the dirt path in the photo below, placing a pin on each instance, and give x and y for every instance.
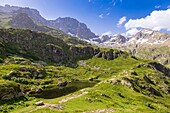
(72, 97)
(109, 110)
(58, 106)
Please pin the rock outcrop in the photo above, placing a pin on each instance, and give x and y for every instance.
(40, 46)
(10, 90)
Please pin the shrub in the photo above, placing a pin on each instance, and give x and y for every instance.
(7, 76)
(1, 60)
(20, 80)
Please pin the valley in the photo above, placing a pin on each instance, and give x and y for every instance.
(60, 66)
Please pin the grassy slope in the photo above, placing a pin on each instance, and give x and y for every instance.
(121, 98)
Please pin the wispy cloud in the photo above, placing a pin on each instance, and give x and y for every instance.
(121, 21)
(168, 6)
(108, 14)
(158, 6)
(114, 2)
(101, 16)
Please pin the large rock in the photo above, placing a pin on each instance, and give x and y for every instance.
(62, 84)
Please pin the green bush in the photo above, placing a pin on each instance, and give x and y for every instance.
(1, 60)
(40, 76)
(20, 80)
(7, 77)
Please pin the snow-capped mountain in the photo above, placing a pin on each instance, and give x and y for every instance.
(147, 36)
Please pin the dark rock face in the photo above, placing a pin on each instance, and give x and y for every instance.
(154, 92)
(99, 55)
(108, 55)
(160, 68)
(148, 80)
(10, 91)
(81, 52)
(42, 46)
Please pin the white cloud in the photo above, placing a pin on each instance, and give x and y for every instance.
(131, 32)
(109, 33)
(101, 16)
(157, 20)
(121, 21)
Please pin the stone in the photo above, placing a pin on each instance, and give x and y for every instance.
(62, 84)
(22, 68)
(39, 103)
(38, 90)
(91, 79)
(8, 96)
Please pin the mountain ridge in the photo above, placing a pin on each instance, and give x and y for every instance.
(76, 28)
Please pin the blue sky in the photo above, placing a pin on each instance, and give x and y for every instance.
(111, 16)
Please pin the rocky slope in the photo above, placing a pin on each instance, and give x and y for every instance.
(41, 46)
(149, 44)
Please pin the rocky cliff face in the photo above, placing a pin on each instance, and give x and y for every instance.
(38, 45)
(73, 27)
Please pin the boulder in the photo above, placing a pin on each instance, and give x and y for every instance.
(23, 68)
(91, 79)
(39, 103)
(62, 84)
